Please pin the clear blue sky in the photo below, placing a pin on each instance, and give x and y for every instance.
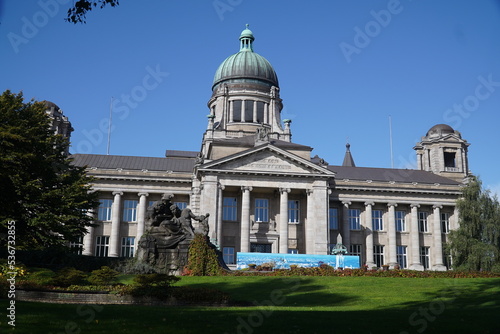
(344, 67)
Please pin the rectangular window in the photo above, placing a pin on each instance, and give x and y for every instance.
(422, 221)
(424, 256)
(181, 205)
(355, 250)
(229, 209)
(445, 222)
(129, 210)
(400, 221)
(401, 257)
(77, 246)
(228, 255)
(104, 211)
(261, 210)
(353, 217)
(333, 219)
(378, 255)
(260, 248)
(293, 211)
(102, 246)
(377, 222)
(128, 247)
(293, 251)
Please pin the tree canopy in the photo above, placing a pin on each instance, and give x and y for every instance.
(475, 245)
(78, 13)
(43, 194)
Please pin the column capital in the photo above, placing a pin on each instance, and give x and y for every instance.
(437, 206)
(246, 188)
(221, 186)
(285, 190)
(309, 191)
(414, 205)
(143, 194)
(392, 204)
(117, 193)
(346, 203)
(368, 203)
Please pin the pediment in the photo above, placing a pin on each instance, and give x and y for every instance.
(267, 160)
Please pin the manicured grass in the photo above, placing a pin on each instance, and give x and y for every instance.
(290, 305)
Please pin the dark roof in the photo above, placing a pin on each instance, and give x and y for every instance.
(181, 154)
(133, 163)
(389, 174)
(348, 160)
(249, 141)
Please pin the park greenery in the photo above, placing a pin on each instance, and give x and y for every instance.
(44, 197)
(475, 245)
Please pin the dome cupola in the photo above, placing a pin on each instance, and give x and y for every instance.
(246, 66)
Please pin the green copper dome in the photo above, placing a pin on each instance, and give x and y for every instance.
(246, 65)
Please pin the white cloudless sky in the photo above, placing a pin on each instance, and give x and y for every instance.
(344, 68)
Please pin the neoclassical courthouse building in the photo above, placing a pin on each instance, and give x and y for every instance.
(265, 193)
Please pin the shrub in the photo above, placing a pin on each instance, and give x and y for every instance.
(103, 276)
(151, 285)
(68, 276)
(202, 258)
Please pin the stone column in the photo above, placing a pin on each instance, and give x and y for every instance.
(114, 238)
(88, 238)
(369, 235)
(245, 219)
(266, 113)
(243, 110)
(438, 241)
(391, 230)
(220, 206)
(346, 230)
(415, 239)
(141, 216)
(231, 110)
(309, 228)
(283, 244)
(458, 161)
(254, 111)
(419, 162)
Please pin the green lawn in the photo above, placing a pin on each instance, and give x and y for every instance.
(290, 305)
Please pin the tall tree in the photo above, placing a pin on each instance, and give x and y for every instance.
(78, 13)
(45, 196)
(475, 245)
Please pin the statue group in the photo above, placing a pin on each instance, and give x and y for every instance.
(169, 232)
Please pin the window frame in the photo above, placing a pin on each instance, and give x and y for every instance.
(354, 220)
(102, 246)
(423, 221)
(226, 255)
(229, 212)
(424, 253)
(105, 211)
(378, 255)
(129, 212)
(127, 248)
(377, 220)
(293, 211)
(400, 221)
(402, 256)
(261, 211)
(333, 219)
(445, 222)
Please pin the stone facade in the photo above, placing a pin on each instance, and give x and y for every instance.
(265, 193)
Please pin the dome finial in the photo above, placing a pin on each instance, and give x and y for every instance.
(246, 39)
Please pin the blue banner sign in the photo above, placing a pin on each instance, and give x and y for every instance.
(283, 261)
